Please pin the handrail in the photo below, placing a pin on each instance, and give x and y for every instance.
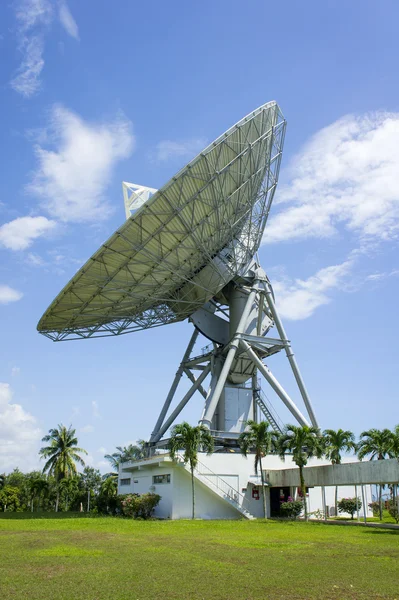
(230, 492)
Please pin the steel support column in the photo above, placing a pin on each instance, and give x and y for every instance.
(210, 411)
(174, 385)
(290, 355)
(280, 391)
(181, 404)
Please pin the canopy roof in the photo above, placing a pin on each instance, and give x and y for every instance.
(184, 244)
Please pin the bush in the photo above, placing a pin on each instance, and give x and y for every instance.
(394, 510)
(349, 505)
(375, 507)
(140, 507)
(291, 509)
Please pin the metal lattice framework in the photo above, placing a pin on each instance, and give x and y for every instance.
(184, 244)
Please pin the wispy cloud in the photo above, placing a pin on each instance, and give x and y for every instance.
(15, 371)
(34, 18)
(67, 20)
(20, 233)
(95, 409)
(299, 298)
(9, 294)
(71, 178)
(168, 150)
(87, 429)
(344, 178)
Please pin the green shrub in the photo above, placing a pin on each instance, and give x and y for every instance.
(291, 509)
(349, 505)
(394, 510)
(140, 507)
(375, 507)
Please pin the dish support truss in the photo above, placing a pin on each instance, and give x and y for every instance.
(244, 351)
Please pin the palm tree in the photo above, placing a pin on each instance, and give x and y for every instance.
(37, 486)
(261, 440)
(109, 489)
(62, 454)
(125, 453)
(69, 487)
(190, 440)
(335, 443)
(303, 443)
(379, 444)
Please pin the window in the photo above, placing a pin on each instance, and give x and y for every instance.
(161, 479)
(125, 481)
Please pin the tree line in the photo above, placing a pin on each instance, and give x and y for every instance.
(59, 486)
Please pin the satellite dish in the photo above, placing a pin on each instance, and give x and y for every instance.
(188, 250)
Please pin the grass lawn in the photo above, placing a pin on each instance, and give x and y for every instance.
(111, 558)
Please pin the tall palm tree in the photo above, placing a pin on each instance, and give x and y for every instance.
(336, 442)
(62, 454)
(303, 443)
(260, 439)
(378, 444)
(190, 440)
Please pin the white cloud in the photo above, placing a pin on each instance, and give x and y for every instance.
(167, 149)
(101, 450)
(95, 409)
(33, 17)
(72, 177)
(67, 20)
(346, 176)
(87, 429)
(15, 371)
(19, 434)
(8, 294)
(20, 233)
(297, 299)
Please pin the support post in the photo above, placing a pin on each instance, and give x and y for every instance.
(280, 391)
(174, 385)
(364, 505)
(181, 404)
(290, 355)
(210, 411)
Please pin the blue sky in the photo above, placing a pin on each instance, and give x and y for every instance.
(94, 93)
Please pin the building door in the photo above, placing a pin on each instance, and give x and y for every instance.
(278, 495)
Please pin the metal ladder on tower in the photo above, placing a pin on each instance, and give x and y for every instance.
(268, 411)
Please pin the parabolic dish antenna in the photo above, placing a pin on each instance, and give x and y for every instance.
(187, 250)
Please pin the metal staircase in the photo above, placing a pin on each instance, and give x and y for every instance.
(268, 410)
(220, 487)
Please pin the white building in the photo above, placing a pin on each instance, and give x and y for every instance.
(226, 486)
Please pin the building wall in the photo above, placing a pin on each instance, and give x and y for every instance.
(233, 468)
(207, 504)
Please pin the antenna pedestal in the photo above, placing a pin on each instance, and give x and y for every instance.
(237, 321)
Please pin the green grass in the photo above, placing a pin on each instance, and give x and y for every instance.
(111, 558)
